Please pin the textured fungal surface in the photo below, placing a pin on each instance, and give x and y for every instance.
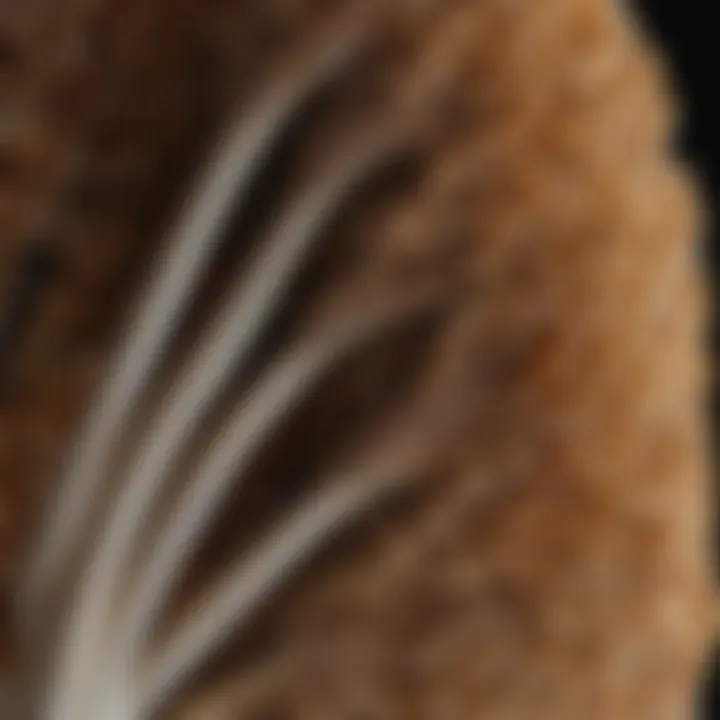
(512, 237)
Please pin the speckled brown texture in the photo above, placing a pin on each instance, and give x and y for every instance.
(559, 566)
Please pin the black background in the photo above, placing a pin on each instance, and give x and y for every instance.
(688, 30)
